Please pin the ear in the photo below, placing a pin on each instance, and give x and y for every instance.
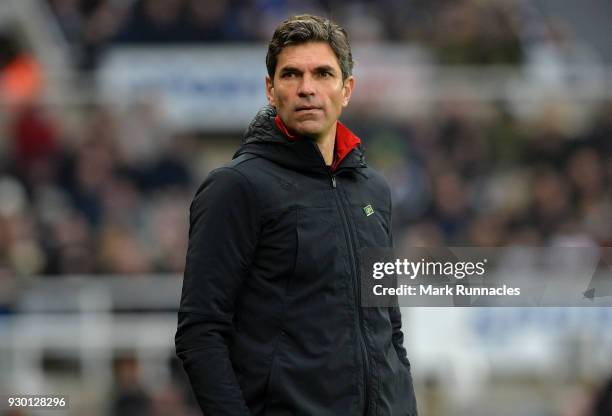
(270, 91)
(347, 90)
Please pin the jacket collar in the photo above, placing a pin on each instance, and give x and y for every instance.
(346, 140)
(268, 137)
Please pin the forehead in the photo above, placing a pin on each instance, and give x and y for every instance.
(307, 56)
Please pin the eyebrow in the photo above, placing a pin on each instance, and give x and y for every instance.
(287, 69)
(321, 68)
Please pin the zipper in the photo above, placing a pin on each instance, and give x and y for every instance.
(348, 232)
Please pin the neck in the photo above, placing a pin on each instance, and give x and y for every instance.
(326, 145)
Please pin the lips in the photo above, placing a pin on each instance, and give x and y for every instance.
(307, 108)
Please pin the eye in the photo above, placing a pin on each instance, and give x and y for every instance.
(288, 75)
(325, 74)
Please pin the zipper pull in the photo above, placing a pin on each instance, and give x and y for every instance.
(333, 179)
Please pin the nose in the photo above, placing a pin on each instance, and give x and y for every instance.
(306, 86)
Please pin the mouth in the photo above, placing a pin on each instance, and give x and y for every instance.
(306, 108)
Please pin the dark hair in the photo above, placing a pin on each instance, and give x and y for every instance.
(308, 28)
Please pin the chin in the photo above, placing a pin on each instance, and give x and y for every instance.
(309, 129)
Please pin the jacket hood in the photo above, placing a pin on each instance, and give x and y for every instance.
(263, 138)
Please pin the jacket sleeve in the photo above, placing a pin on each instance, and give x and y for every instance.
(223, 230)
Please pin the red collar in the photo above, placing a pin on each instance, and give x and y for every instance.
(345, 140)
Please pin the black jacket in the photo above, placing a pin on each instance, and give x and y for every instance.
(269, 321)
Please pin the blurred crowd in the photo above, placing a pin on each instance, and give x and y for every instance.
(464, 179)
(104, 197)
(461, 32)
(109, 193)
(112, 194)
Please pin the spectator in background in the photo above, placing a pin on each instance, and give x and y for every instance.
(70, 18)
(21, 79)
(170, 401)
(20, 248)
(129, 397)
(70, 244)
(36, 146)
(482, 33)
(213, 21)
(102, 24)
(88, 26)
(603, 400)
(155, 22)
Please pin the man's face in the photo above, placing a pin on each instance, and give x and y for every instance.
(307, 89)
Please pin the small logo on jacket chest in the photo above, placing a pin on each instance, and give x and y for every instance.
(368, 210)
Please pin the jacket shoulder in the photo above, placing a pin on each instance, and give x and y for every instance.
(240, 175)
(378, 184)
(224, 183)
(229, 180)
(248, 164)
(377, 179)
(241, 162)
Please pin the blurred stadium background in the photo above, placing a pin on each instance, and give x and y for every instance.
(492, 120)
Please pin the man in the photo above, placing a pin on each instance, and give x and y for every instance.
(270, 321)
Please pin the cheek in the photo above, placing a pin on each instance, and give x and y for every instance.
(281, 99)
(337, 97)
(338, 102)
